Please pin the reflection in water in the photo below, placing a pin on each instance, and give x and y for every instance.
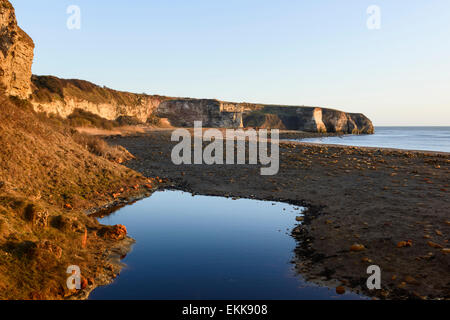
(198, 247)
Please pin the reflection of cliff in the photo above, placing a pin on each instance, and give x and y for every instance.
(16, 54)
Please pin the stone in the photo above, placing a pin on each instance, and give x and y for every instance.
(357, 247)
(434, 245)
(402, 244)
(84, 283)
(340, 290)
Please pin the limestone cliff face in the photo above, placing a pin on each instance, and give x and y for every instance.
(214, 113)
(62, 97)
(315, 119)
(16, 54)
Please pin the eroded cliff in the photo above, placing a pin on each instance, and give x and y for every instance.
(214, 113)
(53, 95)
(16, 54)
(63, 97)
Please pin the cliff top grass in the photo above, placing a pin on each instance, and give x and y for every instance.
(49, 173)
(49, 88)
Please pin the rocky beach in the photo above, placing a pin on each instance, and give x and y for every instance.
(365, 206)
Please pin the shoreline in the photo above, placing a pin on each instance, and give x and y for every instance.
(367, 148)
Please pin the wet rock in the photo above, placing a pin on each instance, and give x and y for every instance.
(340, 290)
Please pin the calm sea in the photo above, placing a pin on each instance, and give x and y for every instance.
(411, 138)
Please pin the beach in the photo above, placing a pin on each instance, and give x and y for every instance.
(392, 204)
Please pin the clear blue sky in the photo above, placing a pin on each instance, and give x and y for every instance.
(287, 52)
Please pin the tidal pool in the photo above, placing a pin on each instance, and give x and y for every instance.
(201, 247)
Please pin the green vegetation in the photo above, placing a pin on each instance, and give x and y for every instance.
(127, 121)
(81, 118)
(49, 88)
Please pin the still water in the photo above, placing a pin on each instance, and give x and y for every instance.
(411, 138)
(199, 247)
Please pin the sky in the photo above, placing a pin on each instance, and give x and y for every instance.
(317, 53)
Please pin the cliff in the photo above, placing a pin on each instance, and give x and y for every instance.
(214, 113)
(16, 54)
(63, 97)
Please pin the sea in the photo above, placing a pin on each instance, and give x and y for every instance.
(409, 138)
